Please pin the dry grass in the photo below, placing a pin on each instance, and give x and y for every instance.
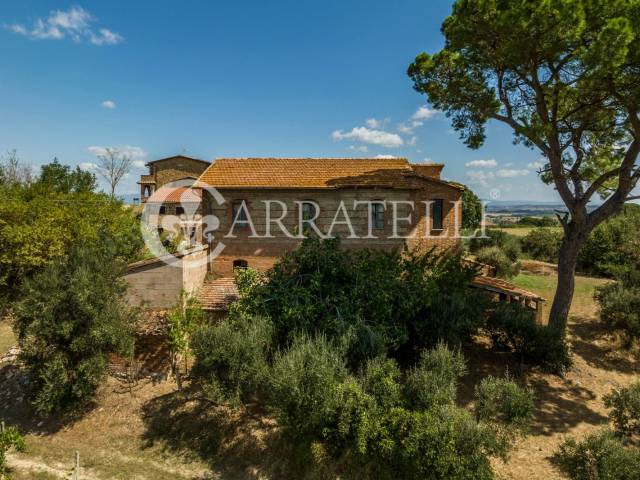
(158, 433)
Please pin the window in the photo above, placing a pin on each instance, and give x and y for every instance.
(240, 264)
(239, 213)
(309, 211)
(377, 216)
(179, 210)
(163, 209)
(436, 223)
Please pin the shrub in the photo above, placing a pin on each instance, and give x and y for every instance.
(543, 244)
(620, 308)
(231, 357)
(381, 380)
(353, 420)
(303, 383)
(504, 400)
(383, 302)
(613, 245)
(434, 380)
(600, 456)
(71, 316)
(625, 409)
(537, 222)
(509, 244)
(443, 443)
(505, 267)
(515, 327)
(9, 438)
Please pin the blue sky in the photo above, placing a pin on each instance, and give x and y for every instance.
(253, 78)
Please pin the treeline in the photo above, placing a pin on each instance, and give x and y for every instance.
(63, 250)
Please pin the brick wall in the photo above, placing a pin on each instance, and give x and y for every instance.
(156, 284)
(261, 253)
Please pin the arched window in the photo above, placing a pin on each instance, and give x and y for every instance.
(240, 264)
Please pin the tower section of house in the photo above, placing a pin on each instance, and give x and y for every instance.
(390, 203)
(178, 170)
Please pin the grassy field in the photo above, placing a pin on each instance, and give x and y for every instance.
(151, 431)
(522, 231)
(7, 340)
(545, 285)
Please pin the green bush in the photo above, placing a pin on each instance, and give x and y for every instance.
(600, 456)
(509, 244)
(625, 409)
(537, 222)
(302, 385)
(381, 380)
(231, 357)
(515, 327)
(71, 316)
(443, 443)
(612, 247)
(504, 400)
(543, 244)
(620, 308)
(434, 380)
(505, 267)
(9, 439)
(382, 302)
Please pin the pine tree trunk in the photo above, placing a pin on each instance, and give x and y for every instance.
(567, 262)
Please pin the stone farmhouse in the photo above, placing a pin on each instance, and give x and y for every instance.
(257, 209)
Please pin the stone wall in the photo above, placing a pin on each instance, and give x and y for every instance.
(157, 284)
(262, 253)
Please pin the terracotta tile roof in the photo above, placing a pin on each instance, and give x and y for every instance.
(176, 195)
(311, 173)
(218, 294)
(502, 286)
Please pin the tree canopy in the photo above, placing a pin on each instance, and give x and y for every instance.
(565, 76)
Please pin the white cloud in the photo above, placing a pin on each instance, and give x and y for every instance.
(480, 178)
(358, 148)
(371, 136)
(424, 113)
(372, 123)
(105, 37)
(139, 163)
(381, 156)
(509, 173)
(88, 166)
(491, 163)
(109, 104)
(135, 153)
(74, 23)
(409, 127)
(537, 165)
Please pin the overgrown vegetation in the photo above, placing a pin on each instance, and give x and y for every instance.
(600, 456)
(498, 249)
(608, 454)
(349, 377)
(514, 327)
(379, 302)
(10, 438)
(182, 321)
(42, 218)
(70, 317)
(625, 410)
